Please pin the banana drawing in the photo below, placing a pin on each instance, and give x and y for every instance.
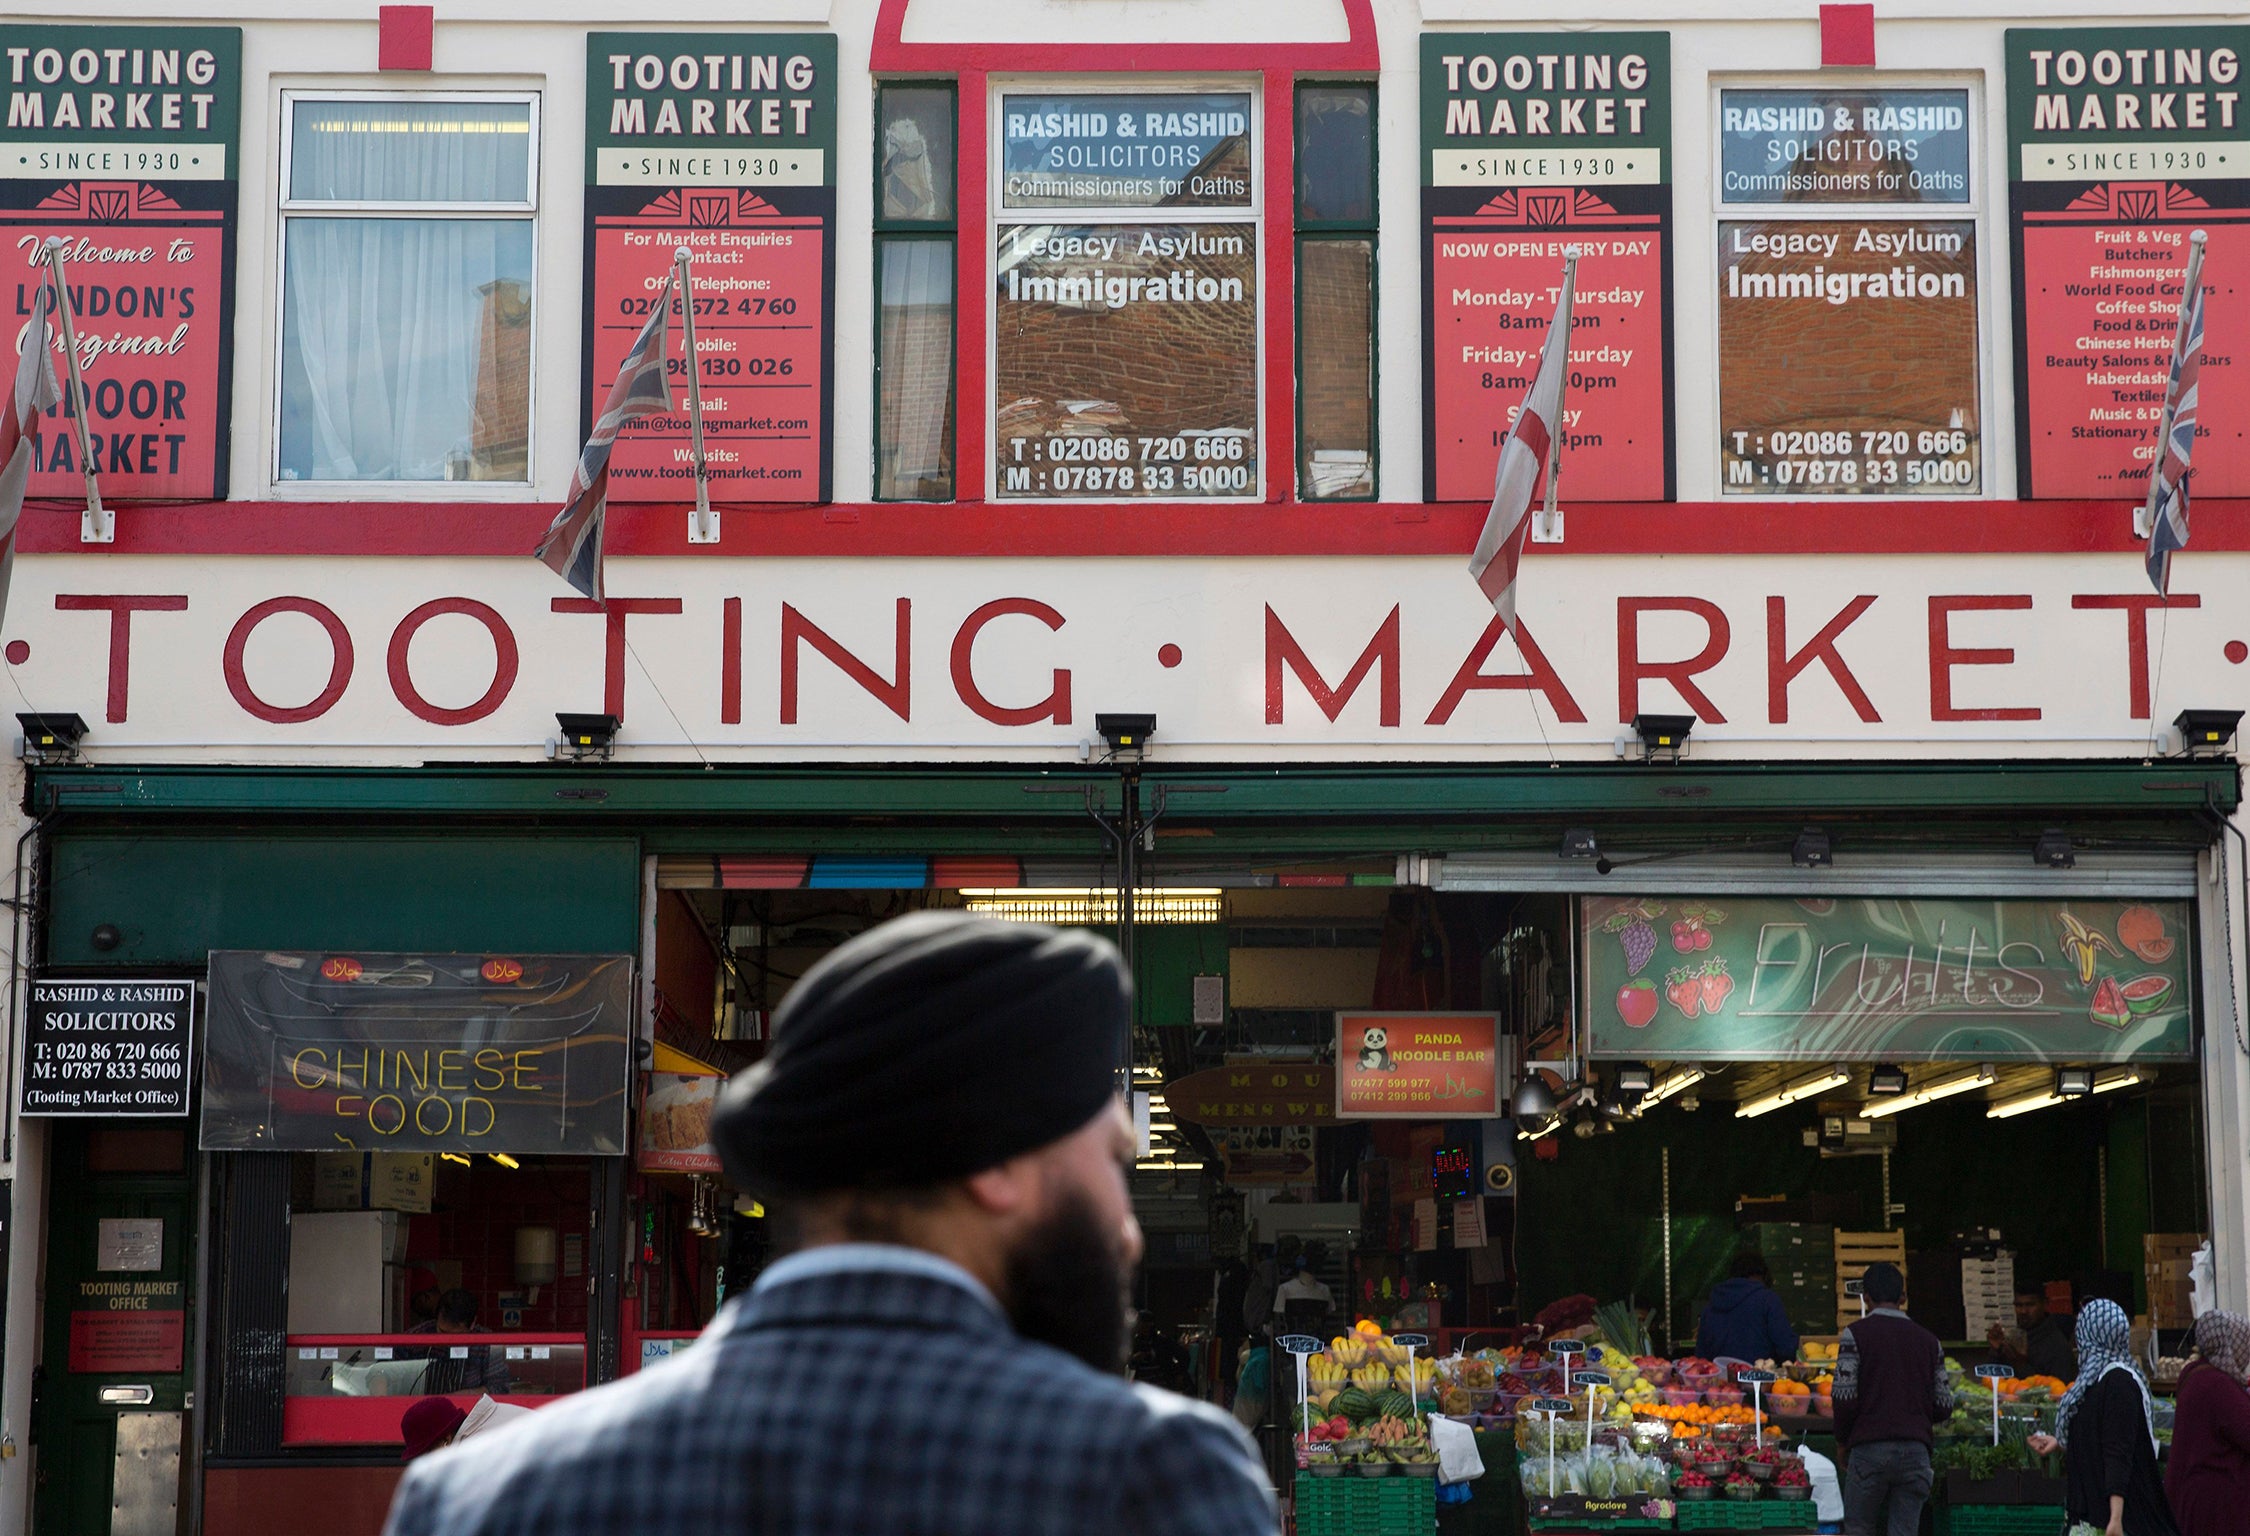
(2081, 944)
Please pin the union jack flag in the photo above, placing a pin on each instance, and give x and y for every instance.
(572, 547)
(2168, 527)
(35, 390)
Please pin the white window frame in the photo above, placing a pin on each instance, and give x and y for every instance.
(527, 211)
(1991, 451)
(997, 89)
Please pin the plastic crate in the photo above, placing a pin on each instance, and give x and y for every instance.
(1366, 1506)
(1999, 1519)
(1722, 1514)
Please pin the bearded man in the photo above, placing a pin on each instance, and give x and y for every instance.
(938, 1128)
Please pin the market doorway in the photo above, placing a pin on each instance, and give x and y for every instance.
(112, 1407)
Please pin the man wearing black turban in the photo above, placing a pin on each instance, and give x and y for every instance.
(938, 1128)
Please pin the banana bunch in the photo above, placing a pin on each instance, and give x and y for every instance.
(1425, 1374)
(2080, 944)
(1372, 1377)
(1350, 1349)
(1324, 1372)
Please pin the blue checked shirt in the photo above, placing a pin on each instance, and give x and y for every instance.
(853, 1393)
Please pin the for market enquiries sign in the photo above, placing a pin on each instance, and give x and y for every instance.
(1675, 978)
(326, 1052)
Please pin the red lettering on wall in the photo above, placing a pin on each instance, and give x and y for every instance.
(730, 661)
(339, 666)
(1282, 650)
(897, 695)
(1944, 657)
(504, 660)
(1782, 668)
(120, 607)
(1055, 706)
(2135, 606)
(1632, 671)
(616, 610)
(1539, 674)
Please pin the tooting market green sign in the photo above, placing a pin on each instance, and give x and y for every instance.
(1865, 979)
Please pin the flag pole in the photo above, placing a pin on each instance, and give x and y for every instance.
(2144, 516)
(99, 524)
(1547, 525)
(703, 523)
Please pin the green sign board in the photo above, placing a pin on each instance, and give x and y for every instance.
(711, 108)
(1545, 108)
(2100, 92)
(81, 97)
(1672, 978)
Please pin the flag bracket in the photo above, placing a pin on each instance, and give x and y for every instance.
(703, 521)
(98, 524)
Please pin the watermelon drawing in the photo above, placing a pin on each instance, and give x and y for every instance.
(2146, 994)
(2109, 1008)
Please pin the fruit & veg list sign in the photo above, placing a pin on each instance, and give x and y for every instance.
(723, 143)
(2121, 142)
(122, 141)
(108, 1047)
(1416, 1066)
(1533, 143)
(1868, 979)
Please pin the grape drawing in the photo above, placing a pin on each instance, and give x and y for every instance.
(1634, 934)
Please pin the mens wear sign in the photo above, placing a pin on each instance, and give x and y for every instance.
(121, 141)
(1534, 143)
(320, 1052)
(1679, 978)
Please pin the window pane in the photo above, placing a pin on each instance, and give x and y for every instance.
(410, 151)
(406, 349)
(917, 153)
(1336, 154)
(914, 456)
(1336, 351)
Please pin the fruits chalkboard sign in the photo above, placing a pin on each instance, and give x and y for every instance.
(1299, 1344)
(1750, 1374)
(1995, 1372)
(1551, 1405)
(1411, 1340)
(1567, 1347)
(1591, 1378)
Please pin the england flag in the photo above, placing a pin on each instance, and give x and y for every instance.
(1523, 457)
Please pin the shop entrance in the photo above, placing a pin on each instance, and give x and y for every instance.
(111, 1413)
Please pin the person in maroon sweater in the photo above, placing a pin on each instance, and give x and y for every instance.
(1890, 1389)
(2208, 1477)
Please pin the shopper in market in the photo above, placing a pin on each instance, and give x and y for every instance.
(1890, 1390)
(937, 1125)
(2207, 1476)
(2106, 1426)
(2039, 1344)
(1745, 1319)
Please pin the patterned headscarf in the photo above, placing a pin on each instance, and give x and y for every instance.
(2105, 1344)
(2223, 1339)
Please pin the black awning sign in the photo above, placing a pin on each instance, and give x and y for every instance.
(106, 1047)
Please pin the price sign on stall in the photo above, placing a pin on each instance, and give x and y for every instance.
(1569, 1350)
(1994, 1374)
(1550, 1405)
(1592, 1378)
(1301, 1345)
(1755, 1377)
(1298, 1344)
(1758, 1381)
(1411, 1340)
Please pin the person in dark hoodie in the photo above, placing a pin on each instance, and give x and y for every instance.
(1745, 1319)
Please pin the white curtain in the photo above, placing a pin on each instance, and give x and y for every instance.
(405, 341)
(917, 362)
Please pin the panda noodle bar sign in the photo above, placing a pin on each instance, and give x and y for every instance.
(1416, 1066)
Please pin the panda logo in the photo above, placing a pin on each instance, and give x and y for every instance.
(1374, 1049)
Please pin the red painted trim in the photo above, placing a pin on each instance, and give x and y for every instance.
(1280, 381)
(405, 36)
(1108, 529)
(893, 54)
(1847, 37)
(368, 1420)
(972, 270)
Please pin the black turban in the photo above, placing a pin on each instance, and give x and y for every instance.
(928, 1049)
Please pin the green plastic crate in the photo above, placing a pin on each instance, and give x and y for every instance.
(1366, 1506)
(1721, 1514)
(1999, 1519)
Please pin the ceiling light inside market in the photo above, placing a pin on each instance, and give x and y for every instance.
(1676, 1080)
(1804, 1088)
(1885, 1082)
(1067, 907)
(2106, 1083)
(1534, 1099)
(1929, 1093)
(503, 1159)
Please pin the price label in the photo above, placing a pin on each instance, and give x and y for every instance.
(1411, 1340)
(1995, 1372)
(1567, 1347)
(1851, 1287)
(1591, 1378)
(1758, 1376)
(1551, 1405)
(1299, 1344)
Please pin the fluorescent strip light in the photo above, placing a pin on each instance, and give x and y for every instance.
(503, 1159)
(1539, 1135)
(1082, 905)
(1982, 1077)
(1686, 1077)
(2048, 1100)
(1791, 1094)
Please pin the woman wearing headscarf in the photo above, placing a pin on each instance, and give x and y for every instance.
(2208, 1475)
(2106, 1425)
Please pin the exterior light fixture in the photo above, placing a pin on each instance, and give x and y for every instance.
(1126, 733)
(1578, 843)
(52, 738)
(2074, 1082)
(2106, 1083)
(1811, 850)
(1886, 1082)
(1929, 1093)
(1804, 1088)
(2053, 850)
(1635, 1078)
(2206, 732)
(587, 736)
(1662, 736)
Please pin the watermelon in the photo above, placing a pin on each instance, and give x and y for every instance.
(1394, 1405)
(2109, 1007)
(2146, 994)
(1355, 1405)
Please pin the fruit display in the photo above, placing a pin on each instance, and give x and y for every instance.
(1792, 1482)
(1741, 1485)
(1695, 1486)
(1604, 1472)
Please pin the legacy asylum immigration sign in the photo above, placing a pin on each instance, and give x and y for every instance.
(723, 144)
(1533, 143)
(1678, 978)
(121, 141)
(309, 1052)
(107, 1047)
(1125, 307)
(2121, 142)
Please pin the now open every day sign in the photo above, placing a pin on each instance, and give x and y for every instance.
(1882, 978)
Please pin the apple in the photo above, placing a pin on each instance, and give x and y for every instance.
(1636, 1003)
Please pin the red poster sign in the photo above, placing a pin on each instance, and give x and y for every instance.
(759, 325)
(1417, 1066)
(147, 284)
(2101, 282)
(103, 1342)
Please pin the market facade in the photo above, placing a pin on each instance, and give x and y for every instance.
(1100, 404)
